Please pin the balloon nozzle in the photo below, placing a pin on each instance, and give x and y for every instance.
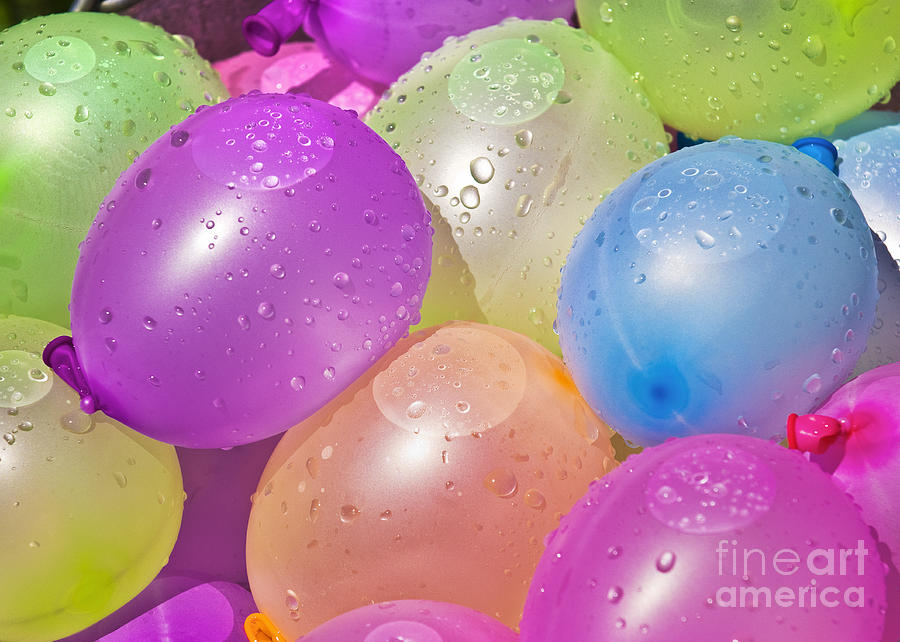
(259, 628)
(820, 149)
(59, 355)
(267, 30)
(812, 433)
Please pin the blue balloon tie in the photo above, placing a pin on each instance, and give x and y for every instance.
(820, 149)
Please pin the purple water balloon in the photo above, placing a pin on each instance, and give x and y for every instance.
(245, 269)
(381, 40)
(711, 537)
(414, 620)
(212, 612)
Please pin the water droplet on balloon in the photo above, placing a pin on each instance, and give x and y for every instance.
(813, 384)
(704, 239)
(341, 280)
(482, 169)
(665, 562)
(501, 482)
(349, 512)
(534, 499)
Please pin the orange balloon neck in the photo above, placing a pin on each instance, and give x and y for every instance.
(259, 628)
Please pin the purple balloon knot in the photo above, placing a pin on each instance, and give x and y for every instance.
(59, 355)
(267, 30)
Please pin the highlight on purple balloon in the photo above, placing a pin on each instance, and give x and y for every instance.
(380, 40)
(243, 271)
(412, 620)
(710, 537)
(218, 485)
(855, 436)
(212, 612)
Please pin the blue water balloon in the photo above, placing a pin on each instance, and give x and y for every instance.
(718, 289)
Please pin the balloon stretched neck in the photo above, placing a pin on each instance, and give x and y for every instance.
(267, 30)
(812, 433)
(259, 628)
(59, 355)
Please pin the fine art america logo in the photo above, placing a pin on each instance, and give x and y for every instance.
(791, 579)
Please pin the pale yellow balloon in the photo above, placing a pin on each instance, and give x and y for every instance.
(514, 133)
(436, 476)
(89, 509)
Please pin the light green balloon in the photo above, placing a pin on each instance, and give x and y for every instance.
(514, 133)
(89, 509)
(773, 69)
(83, 94)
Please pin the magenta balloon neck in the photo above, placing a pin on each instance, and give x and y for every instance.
(267, 30)
(59, 355)
(812, 433)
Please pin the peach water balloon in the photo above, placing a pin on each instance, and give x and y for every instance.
(711, 537)
(435, 476)
(770, 70)
(252, 263)
(90, 508)
(718, 290)
(514, 134)
(83, 95)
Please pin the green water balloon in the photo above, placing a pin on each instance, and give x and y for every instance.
(89, 509)
(83, 95)
(776, 70)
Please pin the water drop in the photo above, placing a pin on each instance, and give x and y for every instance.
(704, 239)
(813, 383)
(501, 482)
(349, 512)
(665, 562)
(482, 170)
(470, 197)
(534, 499)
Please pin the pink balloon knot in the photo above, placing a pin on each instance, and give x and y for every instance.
(59, 355)
(812, 433)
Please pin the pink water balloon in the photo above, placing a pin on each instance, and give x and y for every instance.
(714, 537)
(413, 620)
(855, 436)
(243, 271)
(299, 67)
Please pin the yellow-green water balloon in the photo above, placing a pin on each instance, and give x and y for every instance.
(774, 69)
(82, 95)
(89, 509)
(514, 134)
